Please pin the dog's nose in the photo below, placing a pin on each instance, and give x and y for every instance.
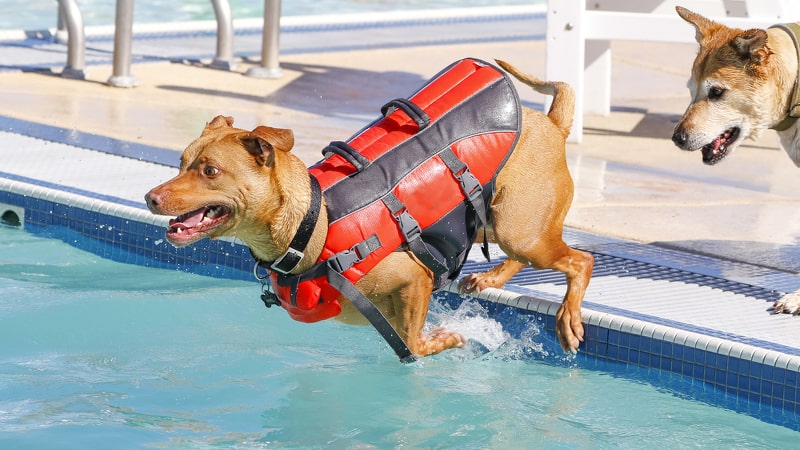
(152, 199)
(680, 137)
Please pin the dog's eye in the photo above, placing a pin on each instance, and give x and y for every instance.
(210, 171)
(715, 93)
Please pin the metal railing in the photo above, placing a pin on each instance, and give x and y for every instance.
(224, 58)
(70, 18)
(269, 67)
(69, 15)
(123, 46)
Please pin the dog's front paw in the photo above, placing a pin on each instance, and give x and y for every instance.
(789, 303)
(470, 284)
(438, 340)
(477, 282)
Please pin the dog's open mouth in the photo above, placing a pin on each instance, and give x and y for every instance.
(719, 148)
(194, 225)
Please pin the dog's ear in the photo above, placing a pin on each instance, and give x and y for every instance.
(752, 45)
(263, 141)
(701, 24)
(217, 123)
(280, 138)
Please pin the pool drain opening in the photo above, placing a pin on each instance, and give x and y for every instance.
(12, 216)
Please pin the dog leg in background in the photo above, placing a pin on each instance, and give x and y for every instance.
(789, 304)
(527, 214)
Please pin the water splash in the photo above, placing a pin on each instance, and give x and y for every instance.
(485, 335)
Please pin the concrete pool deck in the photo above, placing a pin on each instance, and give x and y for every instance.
(647, 210)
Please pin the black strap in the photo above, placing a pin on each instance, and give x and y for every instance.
(472, 189)
(413, 234)
(470, 186)
(413, 111)
(291, 258)
(372, 313)
(347, 152)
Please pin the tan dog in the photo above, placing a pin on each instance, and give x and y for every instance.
(247, 184)
(743, 81)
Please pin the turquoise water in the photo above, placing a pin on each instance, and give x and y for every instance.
(41, 14)
(98, 354)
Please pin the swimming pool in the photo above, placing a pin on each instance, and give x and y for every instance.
(41, 14)
(94, 351)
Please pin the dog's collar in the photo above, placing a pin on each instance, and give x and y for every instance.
(291, 258)
(793, 30)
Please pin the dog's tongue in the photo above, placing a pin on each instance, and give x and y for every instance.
(188, 220)
(717, 143)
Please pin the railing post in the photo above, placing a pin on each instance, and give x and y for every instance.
(123, 42)
(224, 58)
(76, 39)
(269, 67)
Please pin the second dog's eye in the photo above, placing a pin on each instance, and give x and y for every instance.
(715, 93)
(210, 171)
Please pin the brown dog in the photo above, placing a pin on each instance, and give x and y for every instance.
(247, 184)
(743, 81)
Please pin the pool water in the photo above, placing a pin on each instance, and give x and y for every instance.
(42, 14)
(99, 354)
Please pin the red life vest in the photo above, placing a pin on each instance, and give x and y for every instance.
(419, 177)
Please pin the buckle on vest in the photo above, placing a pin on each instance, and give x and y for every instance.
(346, 259)
(470, 185)
(408, 225)
(287, 262)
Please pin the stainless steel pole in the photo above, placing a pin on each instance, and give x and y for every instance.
(76, 39)
(224, 59)
(123, 42)
(270, 66)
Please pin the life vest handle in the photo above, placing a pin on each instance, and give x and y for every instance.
(413, 111)
(346, 151)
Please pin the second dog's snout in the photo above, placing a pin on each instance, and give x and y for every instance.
(680, 138)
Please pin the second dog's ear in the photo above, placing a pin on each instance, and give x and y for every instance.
(701, 24)
(752, 45)
(263, 141)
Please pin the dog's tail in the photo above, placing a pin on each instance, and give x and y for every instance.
(563, 107)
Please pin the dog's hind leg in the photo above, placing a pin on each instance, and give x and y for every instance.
(577, 266)
(548, 254)
(552, 253)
